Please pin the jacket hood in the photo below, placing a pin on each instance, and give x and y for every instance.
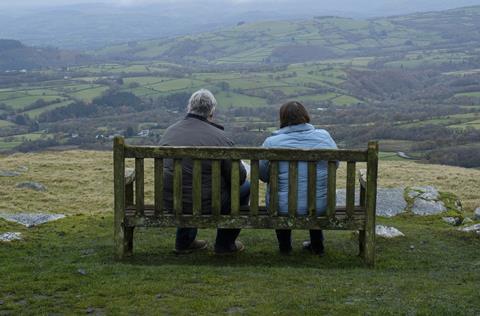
(294, 128)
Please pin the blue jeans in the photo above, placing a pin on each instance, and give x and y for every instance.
(225, 236)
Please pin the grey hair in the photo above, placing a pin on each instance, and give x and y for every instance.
(202, 103)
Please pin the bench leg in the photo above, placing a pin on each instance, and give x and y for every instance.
(361, 243)
(124, 241)
(369, 248)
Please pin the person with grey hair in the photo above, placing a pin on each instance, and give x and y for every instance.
(198, 129)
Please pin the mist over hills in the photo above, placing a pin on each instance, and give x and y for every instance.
(92, 25)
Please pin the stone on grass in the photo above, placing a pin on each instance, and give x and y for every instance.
(32, 186)
(8, 173)
(426, 193)
(471, 229)
(9, 236)
(476, 214)
(452, 220)
(427, 207)
(467, 220)
(31, 219)
(387, 232)
(390, 201)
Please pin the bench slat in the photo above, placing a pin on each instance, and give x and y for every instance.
(342, 221)
(197, 187)
(235, 188)
(254, 186)
(292, 187)
(238, 153)
(216, 187)
(273, 183)
(350, 189)
(139, 185)
(332, 188)
(177, 187)
(158, 187)
(312, 188)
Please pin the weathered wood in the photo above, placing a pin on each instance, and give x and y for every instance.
(341, 222)
(238, 153)
(128, 241)
(197, 187)
(177, 187)
(139, 185)
(216, 187)
(292, 187)
(273, 184)
(119, 196)
(158, 186)
(129, 176)
(332, 188)
(235, 188)
(350, 189)
(254, 186)
(312, 188)
(371, 201)
(129, 195)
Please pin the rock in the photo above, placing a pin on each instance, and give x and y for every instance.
(467, 220)
(426, 193)
(31, 219)
(159, 296)
(9, 236)
(32, 186)
(452, 220)
(470, 229)
(82, 271)
(1, 302)
(427, 207)
(90, 310)
(7, 173)
(387, 232)
(476, 214)
(390, 201)
(412, 247)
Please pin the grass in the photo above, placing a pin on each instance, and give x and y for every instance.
(40, 275)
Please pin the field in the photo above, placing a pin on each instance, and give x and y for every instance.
(67, 266)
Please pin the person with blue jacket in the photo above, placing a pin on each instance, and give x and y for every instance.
(296, 132)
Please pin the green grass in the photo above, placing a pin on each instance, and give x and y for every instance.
(40, 275)
(157, 281)
(4, 123)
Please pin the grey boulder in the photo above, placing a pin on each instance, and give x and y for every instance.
(387, 232)
(32, 186)
(476, 214)
(31, 219)
(9, 236)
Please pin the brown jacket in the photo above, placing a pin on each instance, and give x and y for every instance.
(195, 130)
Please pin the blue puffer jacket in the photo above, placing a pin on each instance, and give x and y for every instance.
(299, 136)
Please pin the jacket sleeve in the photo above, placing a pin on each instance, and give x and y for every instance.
(331, 143)
(264, 165)
(226, 167)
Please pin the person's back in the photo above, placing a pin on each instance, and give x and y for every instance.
(197, 129)
(307, 137)
(296, 132)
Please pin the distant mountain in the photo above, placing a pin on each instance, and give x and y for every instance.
(323, 37)
(94, 25)
(16, 56)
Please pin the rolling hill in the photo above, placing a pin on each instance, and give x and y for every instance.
(319, 38)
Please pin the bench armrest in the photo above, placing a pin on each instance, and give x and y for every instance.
(129, 176)
(362, 177)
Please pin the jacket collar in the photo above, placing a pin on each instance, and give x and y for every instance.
(201, 118)
(294, 128)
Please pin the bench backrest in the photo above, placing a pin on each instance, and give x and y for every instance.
(254, 155)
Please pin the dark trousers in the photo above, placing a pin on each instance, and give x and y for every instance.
(225, 237)
(284, 237)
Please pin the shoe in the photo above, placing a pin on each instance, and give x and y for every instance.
(307, 245)
(195, 245)
(285, 250)
(235, 248)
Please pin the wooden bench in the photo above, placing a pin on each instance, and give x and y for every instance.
(131, 211)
